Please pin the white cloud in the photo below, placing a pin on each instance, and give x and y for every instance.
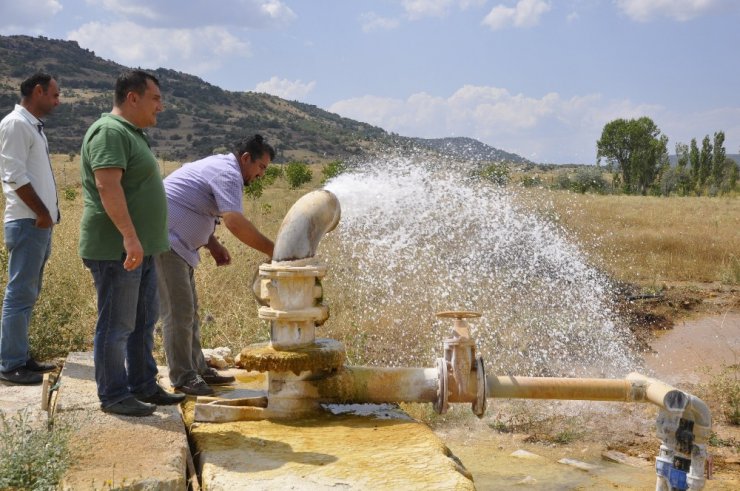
(163, 13)
(416, 9)
(680, 10)
(526, 13)
(372, 22)
(287, 89)
(550, 127)
(17, 15)
(194, 51)
(573, 16)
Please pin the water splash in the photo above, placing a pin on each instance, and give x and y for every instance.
(419, 235)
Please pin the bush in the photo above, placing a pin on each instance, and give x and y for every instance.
(31, 458)
(254, 189)
(496, 173)
(332, 169)
(271, 173)
(589, 179)
(531, 182)
(298, 174)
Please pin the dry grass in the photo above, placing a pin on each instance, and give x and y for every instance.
(650, 240)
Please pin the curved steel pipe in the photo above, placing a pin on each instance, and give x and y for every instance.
(315, 214)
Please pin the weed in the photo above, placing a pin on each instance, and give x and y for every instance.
(31, 457)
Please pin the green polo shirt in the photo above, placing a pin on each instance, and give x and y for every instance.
(112, 141)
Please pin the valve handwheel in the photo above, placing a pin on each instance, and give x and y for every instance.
(458, 314)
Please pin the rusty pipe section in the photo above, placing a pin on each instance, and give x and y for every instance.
(363, 385)
(312, 216)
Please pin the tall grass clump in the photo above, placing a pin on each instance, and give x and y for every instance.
(31, 458)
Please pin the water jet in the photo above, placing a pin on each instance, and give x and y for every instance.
(305, 373)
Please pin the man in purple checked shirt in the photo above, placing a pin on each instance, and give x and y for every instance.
(200, 195)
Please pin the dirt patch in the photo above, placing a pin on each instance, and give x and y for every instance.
(648, 310)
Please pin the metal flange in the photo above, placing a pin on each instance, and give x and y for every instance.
(441, 405)
(479, 406)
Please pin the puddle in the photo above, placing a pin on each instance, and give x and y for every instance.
(493, 467)
(683, 353)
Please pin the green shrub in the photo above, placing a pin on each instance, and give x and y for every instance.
(30, 457)
(496, 173)
(531, 182)
(298, 174)
(254, 189)
(271, 173)
(332, 169)
(70, 193)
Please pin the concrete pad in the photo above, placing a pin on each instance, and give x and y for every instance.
(114, 452)
(349, 446)
(17, 398)
(326, 452)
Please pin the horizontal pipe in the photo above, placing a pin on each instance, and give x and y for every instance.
(587, 389)
(362, 385)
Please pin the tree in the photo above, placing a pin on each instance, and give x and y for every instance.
(718, 158)
(635, 149)
(705, 161)
(694, 161)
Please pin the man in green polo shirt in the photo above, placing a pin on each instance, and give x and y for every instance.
(124, 223)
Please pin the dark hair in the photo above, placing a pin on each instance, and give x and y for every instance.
(255, 145)
(38, 78)
(132, 81)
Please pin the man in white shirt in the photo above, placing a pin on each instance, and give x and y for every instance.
(31, 211)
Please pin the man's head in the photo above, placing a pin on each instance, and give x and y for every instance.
(254, 155)
(138, 98)
(40, 94)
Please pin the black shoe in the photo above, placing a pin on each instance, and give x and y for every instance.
(21, 376)
(195, 387)
(212, 377)
(35, 366)
(130, 407)
(161, 397)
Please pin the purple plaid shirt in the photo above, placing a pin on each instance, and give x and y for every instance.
(199, 193)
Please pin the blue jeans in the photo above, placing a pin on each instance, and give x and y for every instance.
(29, 248)
(124, 334)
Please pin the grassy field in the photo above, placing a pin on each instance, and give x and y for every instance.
(651, 240)
(644, 240)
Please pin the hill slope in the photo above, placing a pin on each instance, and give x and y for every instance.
(199, 118)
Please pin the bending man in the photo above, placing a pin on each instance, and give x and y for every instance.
(199, 194)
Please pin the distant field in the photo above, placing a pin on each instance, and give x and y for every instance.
(649, 240)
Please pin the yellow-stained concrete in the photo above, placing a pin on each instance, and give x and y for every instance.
(368, 447)
(327, 452)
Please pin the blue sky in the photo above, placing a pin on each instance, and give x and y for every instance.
(536, 77)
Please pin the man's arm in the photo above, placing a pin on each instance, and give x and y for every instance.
(32, 200)
(15, 140)
(108, 183)
(247, 233)
(219, 252)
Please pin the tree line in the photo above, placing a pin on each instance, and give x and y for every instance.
(636, 153)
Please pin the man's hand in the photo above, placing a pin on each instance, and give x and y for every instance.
(219, 253)
(134, 253)
(44, 221)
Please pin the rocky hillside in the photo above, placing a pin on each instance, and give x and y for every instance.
(199, 118)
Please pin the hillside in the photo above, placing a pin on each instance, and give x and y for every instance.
(199, 118)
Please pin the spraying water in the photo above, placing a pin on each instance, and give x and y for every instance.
(419, 235)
